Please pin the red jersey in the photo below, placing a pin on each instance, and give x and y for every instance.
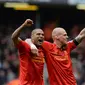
(59, 64)
(31, 67)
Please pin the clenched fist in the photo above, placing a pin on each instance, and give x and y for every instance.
(28, 22)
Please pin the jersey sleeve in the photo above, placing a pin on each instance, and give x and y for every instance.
(47, 46)
(23, 47)
(71, 45)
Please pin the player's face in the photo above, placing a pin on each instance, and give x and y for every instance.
(38, 37)
(63, 38)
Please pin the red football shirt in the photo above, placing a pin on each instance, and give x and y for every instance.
(31, 67)
(59, 64)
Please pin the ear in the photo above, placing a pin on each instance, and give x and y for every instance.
(55, 37)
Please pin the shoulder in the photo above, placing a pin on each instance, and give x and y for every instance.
(47, 45)
(71, 45)
(73, 42)
(22, 44)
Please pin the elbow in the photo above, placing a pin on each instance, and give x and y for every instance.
(13, 37)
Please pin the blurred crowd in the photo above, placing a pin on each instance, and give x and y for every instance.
(9, 63)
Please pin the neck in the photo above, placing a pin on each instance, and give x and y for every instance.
(58, 44)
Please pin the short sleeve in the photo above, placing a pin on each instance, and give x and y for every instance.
(71, 45)
(47, 46)
(22, 46)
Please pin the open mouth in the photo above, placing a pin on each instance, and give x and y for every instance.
(40, 40)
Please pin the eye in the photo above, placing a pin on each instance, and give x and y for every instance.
(42, 34)
(65, 34)
(38, 33)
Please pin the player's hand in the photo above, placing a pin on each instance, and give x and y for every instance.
(28, 22)
(34, 50)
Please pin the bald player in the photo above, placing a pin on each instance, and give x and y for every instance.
(31, 66)
(57, 55)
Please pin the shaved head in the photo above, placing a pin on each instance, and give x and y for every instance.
(60, 37)
(36, 30)
(57, 31)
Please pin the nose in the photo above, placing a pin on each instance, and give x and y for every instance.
(67, 37)
(41, 35)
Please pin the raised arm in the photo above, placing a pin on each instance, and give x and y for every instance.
(81, 36)
(16, 33)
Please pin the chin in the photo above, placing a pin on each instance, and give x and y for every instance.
(64, 46)
(39, 44)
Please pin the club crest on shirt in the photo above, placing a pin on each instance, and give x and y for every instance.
(60, 56)
(40, 58)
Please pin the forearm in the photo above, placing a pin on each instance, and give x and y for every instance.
(81, 36)
(16, 33)
(30, 43)
(34, 49)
